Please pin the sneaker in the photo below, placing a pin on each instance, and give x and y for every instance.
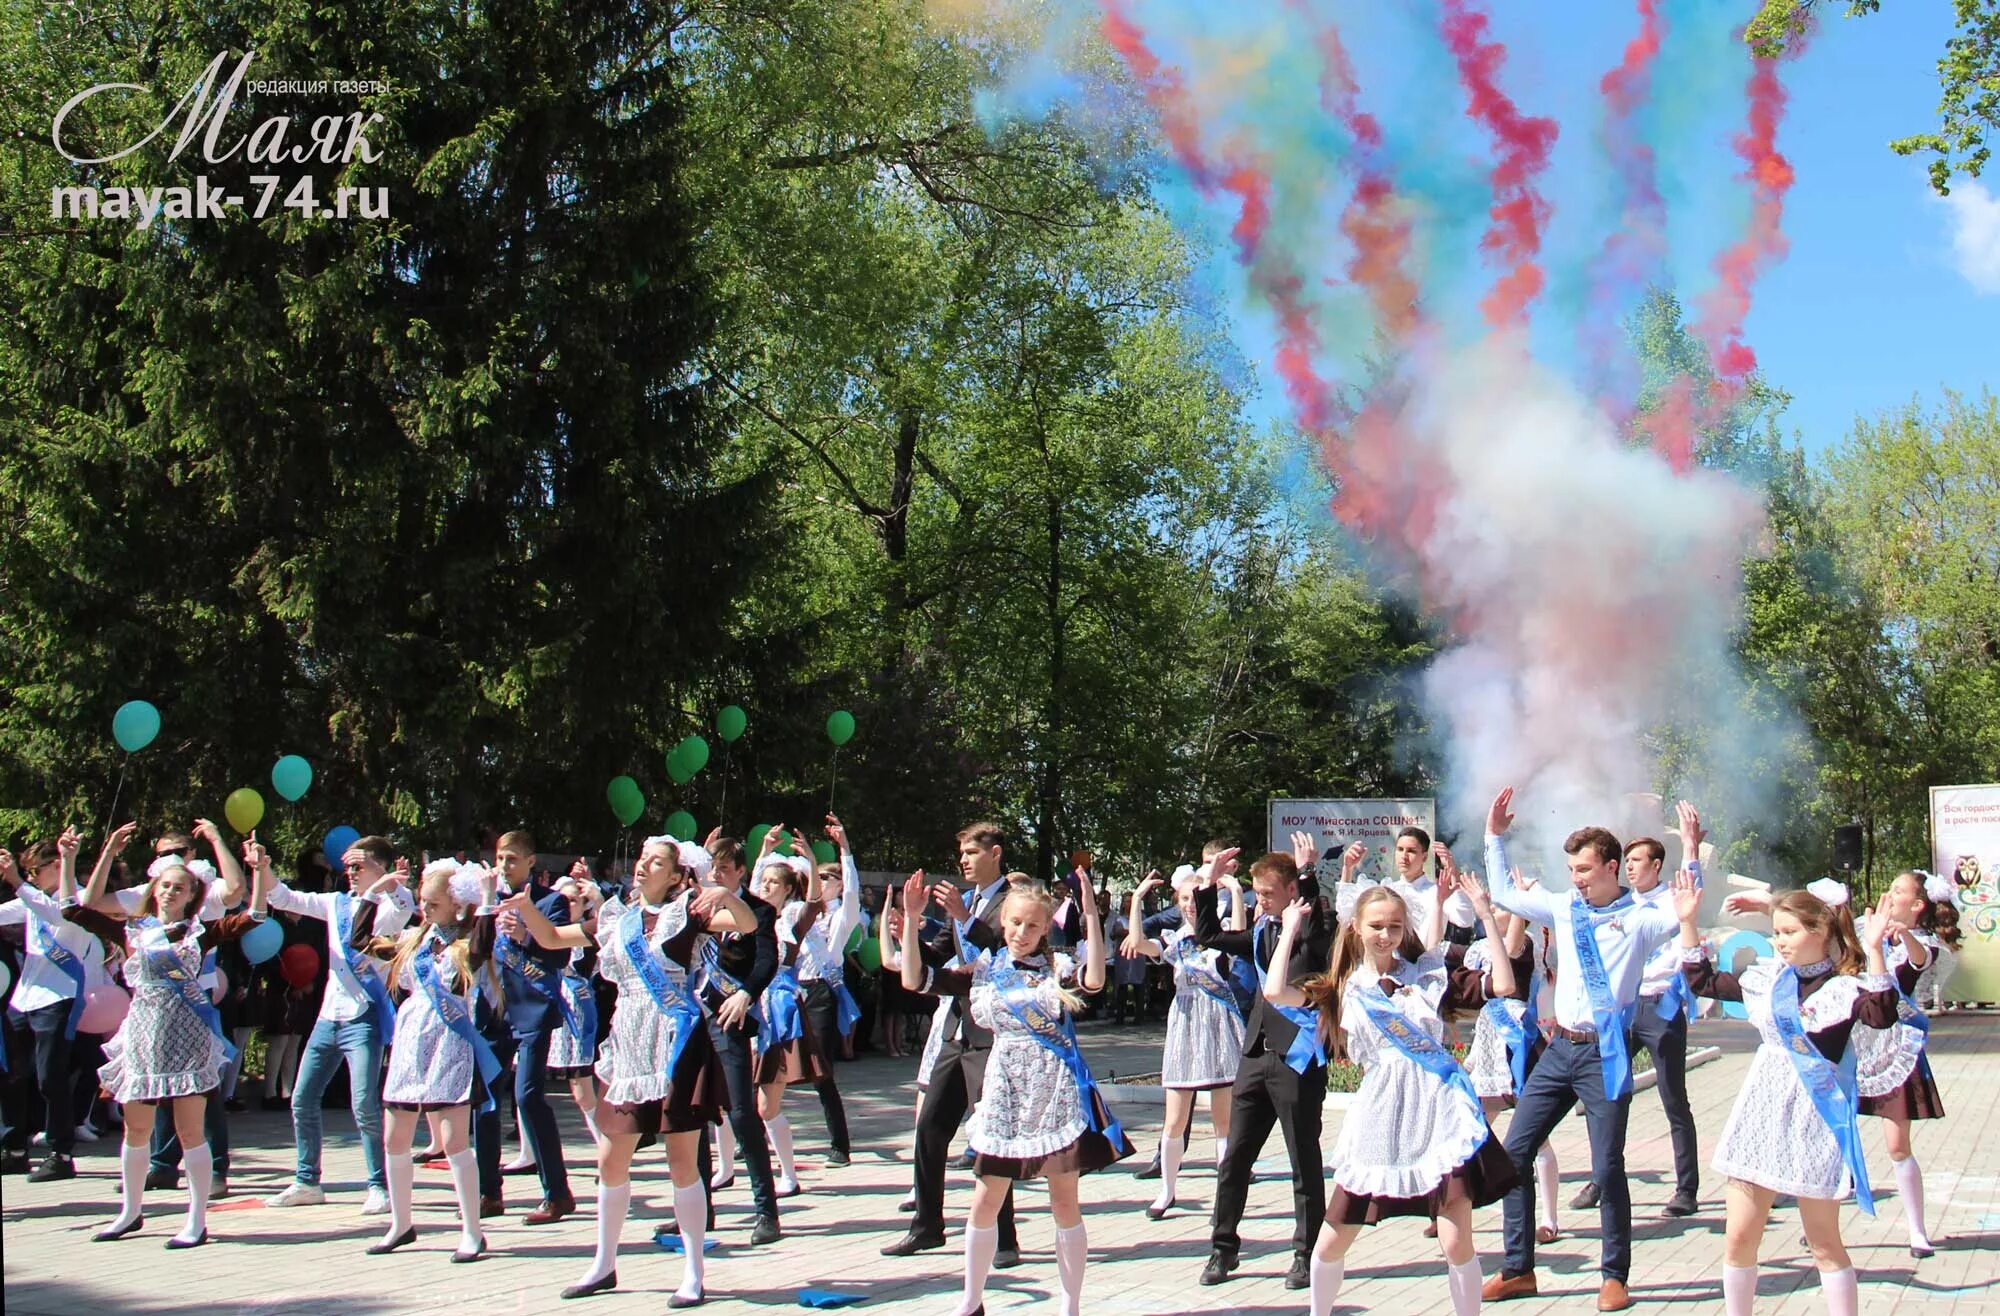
(88, 1132)
(299, 1194)
(377, 1203)
(56, 1166)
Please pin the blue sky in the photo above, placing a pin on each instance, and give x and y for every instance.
(1867, 311)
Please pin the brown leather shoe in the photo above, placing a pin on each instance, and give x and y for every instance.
(490, 1207)
(551, 1210)
(1613, 1297)
(1504, 1286)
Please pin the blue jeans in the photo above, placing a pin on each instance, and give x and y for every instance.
(1567, 1073)
(359, 1043)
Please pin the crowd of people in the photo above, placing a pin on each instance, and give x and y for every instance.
(680, 1007)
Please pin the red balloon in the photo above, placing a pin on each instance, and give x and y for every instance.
(298, 964)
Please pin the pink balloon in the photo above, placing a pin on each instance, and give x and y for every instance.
(104, 1008)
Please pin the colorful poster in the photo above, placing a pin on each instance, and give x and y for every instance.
(1965, 846)
(1336, 824)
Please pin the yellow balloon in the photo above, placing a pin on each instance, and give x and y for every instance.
(244, 808)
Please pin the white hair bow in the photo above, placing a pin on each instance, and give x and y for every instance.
(1828, 890)
(1939, 890)
(162, 864)
(1183, 875)
(798, 863)
(695, 858)
(202, 869)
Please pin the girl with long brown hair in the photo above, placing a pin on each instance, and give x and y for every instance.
(1416, 1141)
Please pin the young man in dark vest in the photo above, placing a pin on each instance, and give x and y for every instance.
(531, 987)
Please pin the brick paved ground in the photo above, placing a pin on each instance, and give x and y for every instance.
(310, 1260)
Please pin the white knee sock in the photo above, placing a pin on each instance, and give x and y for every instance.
(780, 1130)
(1910, 1187)
(132, 1162)
(1547, 1179)
(691, 1215)
(1325, 1282)
(402, 1172)
(725, 1157)
(1739, 1289)
(465, 1183)
(1221, 1149)
(199, 1165)
(1464, 1279)
(980, 1245)
(611, 1206)
(1072, 1252)
(1170, 1170)
(1843, 1291)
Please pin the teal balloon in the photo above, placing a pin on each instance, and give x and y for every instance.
(134, 725)
(840, 727)
(680, 825)
(730, 723)
(291, 776)
(263, 941)
(694, 754)
(824, 851)
(625, 799)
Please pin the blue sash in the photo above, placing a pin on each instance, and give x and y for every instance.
(846, 1011)
(1611, 1020)
(66, 961)
(1518, 1034)
(164, 961)
(581, 1016)
(1185, 956)
(1830, 1086)
(514, 958)
(1415, 1043)
(1910, 1013)
(671, 999)
(779, 1019)
(1676, 998)
(1057, 1035)
(456, 1017)
(1307, 1051)
(381, 1010)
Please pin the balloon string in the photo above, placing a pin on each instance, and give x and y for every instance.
(116, 793)
(834, 779)
(722, 813)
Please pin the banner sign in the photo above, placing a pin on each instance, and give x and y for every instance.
(1336, 824)
(1965, 847)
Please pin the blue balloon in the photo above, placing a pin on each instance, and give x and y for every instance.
(337, 843)
(263, 941)
(1760, 948)
(290, 776)
(134, 725)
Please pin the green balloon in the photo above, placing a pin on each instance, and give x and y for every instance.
(840, 727)
(680, 825)
(244, 809)
(625, 799)
(291, 776)
(754, 842)
(694, 754)
(677, 767)
(824, 851)
(730, 722)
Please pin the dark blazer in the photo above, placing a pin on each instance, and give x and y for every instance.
(750, 958)
(1266, 1029)
(984, 934)
(528, 1011)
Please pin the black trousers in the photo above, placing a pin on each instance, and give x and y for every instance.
(487, 1129)
(1667, 1039)
(53, 1094)
(823, 1013)
(732, 1048)
(1268, 1093)
(954, 1086)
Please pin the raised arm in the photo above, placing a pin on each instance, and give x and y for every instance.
(1501, 972)
(916, 894)
(1433, 930)
(67, 845)
(1208, 931)
(547, 935)
(1278, 988)
(229, 873)
(885, 936)
(1136, 941)
(1093, 934)
(725, 910)
(1535, 905)
(100, 875)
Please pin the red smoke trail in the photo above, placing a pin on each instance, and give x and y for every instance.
(1725, 307)
(1635, 250)
(1519, 213)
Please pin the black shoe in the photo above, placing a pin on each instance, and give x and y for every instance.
(529, 1168)
(767, 1231)
(275, 1103)
(1219, 1265)
(1006, 1258)
(404, 1239)
(115, 1233)
(1921, 1252)
(178, 1243)
(159, 1179)
(461, 1256)
(1157, 1212)
(1586, 1197)
(1680, 1204)
(907, 1206)
(1149, 1171)
(1300, 1275)
(54, 1166)
(678, 1303)
(13, 1162)
(605, 1285)
(236, 1105)
(964, 1161)
(839, 1156)
(914, 1242)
